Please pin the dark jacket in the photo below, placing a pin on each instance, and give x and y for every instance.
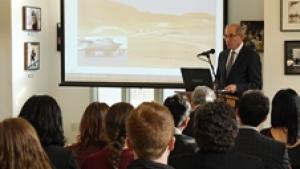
(245, 72)
(183, 145)
(147, 164)
(217, 160)
(61, 158)
(272, 153)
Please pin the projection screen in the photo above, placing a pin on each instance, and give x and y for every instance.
(137, 43)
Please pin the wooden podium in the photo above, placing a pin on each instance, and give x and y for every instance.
(229, 99)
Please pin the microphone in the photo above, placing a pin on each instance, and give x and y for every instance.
(206, 53)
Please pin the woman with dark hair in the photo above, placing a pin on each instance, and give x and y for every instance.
(285, 123)
(20, 146)
(115, 155)
(91, 136)
(44, 114)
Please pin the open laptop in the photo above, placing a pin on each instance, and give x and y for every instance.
(193, 77)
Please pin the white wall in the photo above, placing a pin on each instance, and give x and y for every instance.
(5, 60)
(72, 100)
(27, 83)
(274, 77)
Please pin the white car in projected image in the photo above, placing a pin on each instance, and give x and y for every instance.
(102, 47)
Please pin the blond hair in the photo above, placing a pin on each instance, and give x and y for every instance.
(150, 127)
(20, 146)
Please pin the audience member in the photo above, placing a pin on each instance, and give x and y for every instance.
(180, 110)
(253, 110)
(115, 155)
(215, 132)
(20, 146)
(91, 138)
(44, 114)
(285, 123)
(150, 135)
(200, 96)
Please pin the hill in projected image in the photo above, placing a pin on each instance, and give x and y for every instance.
(124, 33)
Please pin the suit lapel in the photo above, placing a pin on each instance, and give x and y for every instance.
(239, 57)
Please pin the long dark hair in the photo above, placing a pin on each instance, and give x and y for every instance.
(115, 130)
(285, 113)
(44, 114)
(92, 124)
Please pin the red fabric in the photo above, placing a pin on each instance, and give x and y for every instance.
(99, 160)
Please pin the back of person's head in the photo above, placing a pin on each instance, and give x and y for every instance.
(253, 108)
(20, 146)
(179, 107)
(92, 124)
(44, 114)
(116, 131)
(150, 129)
(284, 113)
(202, 95)
(215, 127)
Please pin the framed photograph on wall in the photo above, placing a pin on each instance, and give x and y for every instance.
(290, 15)
(32, 18)
(292, 57)
(32, 56)
(254, 34)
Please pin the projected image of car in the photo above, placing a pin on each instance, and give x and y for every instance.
(102, 47)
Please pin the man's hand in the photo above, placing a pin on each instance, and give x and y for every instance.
(231, 88)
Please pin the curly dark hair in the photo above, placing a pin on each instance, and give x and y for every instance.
(44, 114)
(215, 127)
(179, 108)
(284, 113)
(92, 125)
(116, 131)
(253, 108)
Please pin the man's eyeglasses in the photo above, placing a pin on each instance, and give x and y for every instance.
(230, 36)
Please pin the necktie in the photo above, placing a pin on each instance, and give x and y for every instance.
(230, 63)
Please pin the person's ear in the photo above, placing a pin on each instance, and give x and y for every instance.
(129, 144)
(171, 144)
(185, 122)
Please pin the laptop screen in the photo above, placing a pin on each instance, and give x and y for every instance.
(193, 77)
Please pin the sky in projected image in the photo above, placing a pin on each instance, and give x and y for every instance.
(141, 37)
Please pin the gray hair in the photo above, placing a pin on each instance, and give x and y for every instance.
(202, 94)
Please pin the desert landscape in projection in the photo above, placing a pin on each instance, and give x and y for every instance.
(115, 33)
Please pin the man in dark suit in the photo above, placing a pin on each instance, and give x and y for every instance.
(215, 132)
(239, 68)
(253, 110)
(180, 110)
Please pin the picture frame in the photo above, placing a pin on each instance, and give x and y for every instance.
(289, 15)
(32, 20)
(254, 34)
(292, 57)
(32, 56)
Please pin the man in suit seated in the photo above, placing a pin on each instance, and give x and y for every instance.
(253, 110)
(200, 96)
(150, 130)
(180, 110)
(215, 132)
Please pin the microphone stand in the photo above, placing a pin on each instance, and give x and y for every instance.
(212, 69)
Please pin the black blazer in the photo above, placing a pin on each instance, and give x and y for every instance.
(183, 145)
(272, 153)
(225, 160)
(245, 72)
(61, 158)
